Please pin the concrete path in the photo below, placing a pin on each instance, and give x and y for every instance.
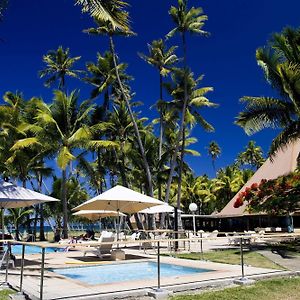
(288, 261)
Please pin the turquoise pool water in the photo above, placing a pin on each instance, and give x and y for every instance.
(17, 249)
(125, 272)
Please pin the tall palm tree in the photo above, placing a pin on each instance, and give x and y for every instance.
(3, 7)
(102, 76)
(214, 152)
(59, 64)
(253, 156)
(280, 63)
(163, 59)
(107, 10)
(184, 82)
(64, 124)
(186, 20)
(107, 28)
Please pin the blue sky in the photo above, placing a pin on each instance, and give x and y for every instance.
(227, 57)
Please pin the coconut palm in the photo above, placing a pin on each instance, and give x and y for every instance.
(280, 63)
(164, 60)
(186, 20)
(18, 217)
(103, 79)
(3, 7)
(183, 82)
(59, 64)
(107, 28)
(214, 152)
(253, 156)
(107, 10)
(64, 124)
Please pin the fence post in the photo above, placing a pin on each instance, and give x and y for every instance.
(158, 266)
(7, 251)
(42, 274)
(22, 267)
(242, 257)
(201, 245)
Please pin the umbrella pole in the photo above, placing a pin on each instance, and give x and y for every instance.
(2, 226)
(118, 226)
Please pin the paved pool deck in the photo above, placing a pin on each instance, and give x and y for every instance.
(60, 287)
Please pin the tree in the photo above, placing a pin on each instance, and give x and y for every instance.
(280, 64)
(214, 152)
(278, 196)
(164, 60)
(3, 7)
(192, 21)
(103, 79)
(111, 11)
(59, 64)
(18, 217)
(64, 124)
(184, 82)
(253, 156)
(108, 28)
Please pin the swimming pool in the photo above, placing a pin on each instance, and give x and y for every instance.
(125, 272)
(17, 249)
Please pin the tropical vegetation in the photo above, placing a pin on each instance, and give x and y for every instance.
(106, 140)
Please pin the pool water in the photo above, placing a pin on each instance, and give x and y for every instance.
(125, 272)
(17, 250)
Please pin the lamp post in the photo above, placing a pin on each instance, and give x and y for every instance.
(193, 207)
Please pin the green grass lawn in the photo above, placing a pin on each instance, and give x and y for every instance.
(4, 294)
(275, 289)
(232, 256)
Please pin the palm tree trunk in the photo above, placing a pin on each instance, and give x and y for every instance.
(41, 210)
(181, 129)
(65, 204)
(180, 169)
(136, 129)
(161, 131)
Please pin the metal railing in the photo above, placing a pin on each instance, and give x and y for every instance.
(199, 239)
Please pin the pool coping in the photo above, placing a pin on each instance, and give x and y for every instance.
(56, 289)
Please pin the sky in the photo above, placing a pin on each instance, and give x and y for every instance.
(227, 57)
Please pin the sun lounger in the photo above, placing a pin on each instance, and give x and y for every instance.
(101, 249)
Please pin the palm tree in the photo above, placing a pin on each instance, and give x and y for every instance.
(107, 28)
(253, 156)
(18, 217)
(280, 63)
(64, 125)
(111, 11)
(164, 60)
(192, 21)
(3, 7)
(185, 83)
(214, 152)
(103, 79)
(59, 65)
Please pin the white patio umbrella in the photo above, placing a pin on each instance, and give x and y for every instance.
(120, 199)
(13, 196)
(164, 208)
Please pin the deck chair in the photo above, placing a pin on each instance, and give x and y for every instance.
(4, 260)
(101, 249)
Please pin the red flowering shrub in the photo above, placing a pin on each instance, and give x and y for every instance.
(275, 196)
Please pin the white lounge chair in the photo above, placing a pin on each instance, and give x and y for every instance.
(101, 249)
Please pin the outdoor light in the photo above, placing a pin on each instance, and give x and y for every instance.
(193, 207)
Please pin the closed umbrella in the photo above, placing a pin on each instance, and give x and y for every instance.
(13, 196)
